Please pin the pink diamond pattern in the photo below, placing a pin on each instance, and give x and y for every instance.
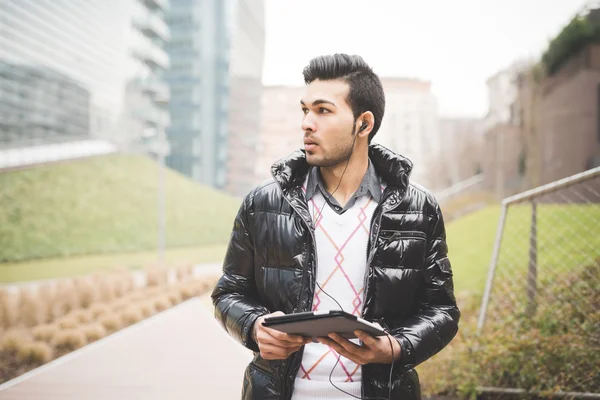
(339, 260)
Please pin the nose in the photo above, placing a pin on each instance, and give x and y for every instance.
(308, 123)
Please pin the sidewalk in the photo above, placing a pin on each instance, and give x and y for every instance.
(181, 353)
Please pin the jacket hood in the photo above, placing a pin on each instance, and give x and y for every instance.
(393, 168)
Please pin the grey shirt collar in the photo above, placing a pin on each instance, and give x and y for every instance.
(369, 185)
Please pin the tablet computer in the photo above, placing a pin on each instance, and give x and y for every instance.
(321, 323)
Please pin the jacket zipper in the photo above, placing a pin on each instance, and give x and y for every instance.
(310, 300)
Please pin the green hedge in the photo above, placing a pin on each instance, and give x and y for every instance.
(573, 38)
(557, 350)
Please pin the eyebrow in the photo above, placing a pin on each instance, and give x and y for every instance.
(319, 101)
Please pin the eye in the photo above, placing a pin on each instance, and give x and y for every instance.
(304, 110)
(324, 110)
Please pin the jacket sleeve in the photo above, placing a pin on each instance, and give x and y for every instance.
(235, 297)
(436, 322)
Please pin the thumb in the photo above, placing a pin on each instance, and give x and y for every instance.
(276, 314)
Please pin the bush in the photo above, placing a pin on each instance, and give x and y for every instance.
(184, 272)
(553, 351)
(157, 276)
(106, 288)
(174, 296)
(9, 309)
(120, 304)
(94, 332)
(131, 315)
(35, 352)
(13, 340)
(162, 303)
(574, 37)
(147, 308)
(68, 322)
(81, 316)
(99, 309)
(44, 332)
(69, 339)
(137, 297)
(32, 310)
(111, 321)
(65, 299)
(87, 291)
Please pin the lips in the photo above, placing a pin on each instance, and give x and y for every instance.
(309, 145)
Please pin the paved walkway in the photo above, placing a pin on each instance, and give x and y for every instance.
(181, 353)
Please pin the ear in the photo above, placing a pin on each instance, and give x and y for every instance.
(366, 120)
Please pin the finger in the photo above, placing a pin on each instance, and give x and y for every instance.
(346, 344)
(285, 337)
(277, 350)
(357, 359)
(367, 339)
(275, 340)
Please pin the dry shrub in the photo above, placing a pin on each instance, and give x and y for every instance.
(111, 322)
(98, 309)
(46, 295)
(81, 316)
(67, 322)
(124, 282)
(119, 285)
(106, 287)
(120, 304)
(137, 296)
(87, 291)
(162, 303)
(3, 297)
(94, 331)
(131, 315)
(147, 308)
(187, 292)
(9, 309)
(32, 310)
(156, 276)
(66, 298)
(153, 291)
(35, 352)
(44, 332)
(174, 296)
(13, 340)
(69, 339)
(184, 272)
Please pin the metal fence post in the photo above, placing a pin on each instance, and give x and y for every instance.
(492, 270)
(532, 270)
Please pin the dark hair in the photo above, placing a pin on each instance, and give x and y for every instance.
(366, 91)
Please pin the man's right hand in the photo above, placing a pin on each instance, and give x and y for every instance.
(276, 345)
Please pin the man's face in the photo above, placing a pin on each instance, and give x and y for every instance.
(328, 123)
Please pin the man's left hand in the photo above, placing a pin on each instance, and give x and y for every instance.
(374, 350)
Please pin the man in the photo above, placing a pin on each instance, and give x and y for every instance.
(339, 226)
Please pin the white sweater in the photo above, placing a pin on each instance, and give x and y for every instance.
(341, 263)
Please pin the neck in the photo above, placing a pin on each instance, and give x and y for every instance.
(357, 167)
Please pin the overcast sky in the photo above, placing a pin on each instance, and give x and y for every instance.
(457, 44)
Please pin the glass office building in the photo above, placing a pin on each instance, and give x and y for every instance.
(72, 70)
(215, 85)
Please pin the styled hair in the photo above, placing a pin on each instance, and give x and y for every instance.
(366, 91)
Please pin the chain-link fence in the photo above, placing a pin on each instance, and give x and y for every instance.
(544, 277)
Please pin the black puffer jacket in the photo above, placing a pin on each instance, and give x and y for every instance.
(270, 266)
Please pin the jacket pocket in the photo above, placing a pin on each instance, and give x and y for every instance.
(259, 384)
(401, 249)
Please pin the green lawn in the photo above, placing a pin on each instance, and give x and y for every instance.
(568, 236)
(77, 217)
(104, 205)
(80, 265)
